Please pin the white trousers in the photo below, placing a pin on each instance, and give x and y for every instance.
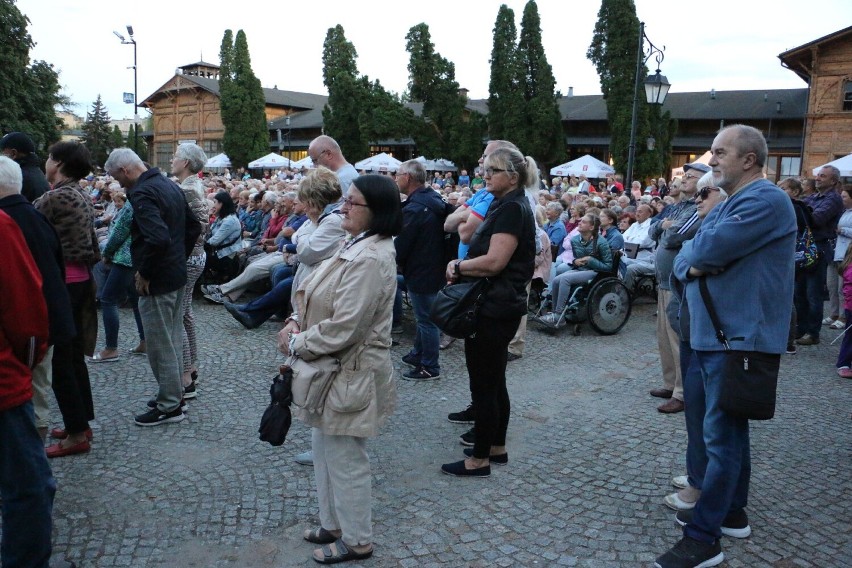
(344, 486)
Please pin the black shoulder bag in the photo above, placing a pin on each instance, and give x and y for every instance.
(456, 307)
(750, 379)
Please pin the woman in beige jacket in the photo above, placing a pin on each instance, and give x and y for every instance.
(345, 310)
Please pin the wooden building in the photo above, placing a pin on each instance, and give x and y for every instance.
(825, 64)
(186, 108)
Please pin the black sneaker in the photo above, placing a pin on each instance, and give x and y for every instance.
(412, 360)
(154, 417)
(502, 459)
(691, 553)
(463, 417)
(421, 374)
(190, 392)
(735, 524)
(247, 321)
(467, 438)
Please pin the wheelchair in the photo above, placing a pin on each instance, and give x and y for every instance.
(604, 301)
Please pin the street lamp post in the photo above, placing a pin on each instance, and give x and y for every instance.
(132, 41)
(656, 89)
(289, 131)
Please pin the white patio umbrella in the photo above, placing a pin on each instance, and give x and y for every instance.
(843, 164)
(218, 161)
(272, 160)
(379, 163)
(587, 165)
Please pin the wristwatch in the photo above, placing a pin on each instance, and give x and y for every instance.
(457, 268)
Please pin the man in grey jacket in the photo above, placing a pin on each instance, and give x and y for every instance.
(670, 234)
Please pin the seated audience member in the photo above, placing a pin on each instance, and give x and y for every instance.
(591, 256)
(609, 229)
(555, 228)
(224, 241)
(638, 234)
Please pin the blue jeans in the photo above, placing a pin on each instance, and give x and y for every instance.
(695, 408)
(810, 294)
(281, 272)
(118, 285)
(27, 488)
(397, 300)
(264, 307)
(724, 488)
(428, 336)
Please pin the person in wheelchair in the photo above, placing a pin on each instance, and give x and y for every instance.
(592, 255)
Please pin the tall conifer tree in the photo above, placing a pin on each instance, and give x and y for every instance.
(97, 135)
(505, 98)
(543, 138)
(613, 51)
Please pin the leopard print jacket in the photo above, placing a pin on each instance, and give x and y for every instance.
(71, 213)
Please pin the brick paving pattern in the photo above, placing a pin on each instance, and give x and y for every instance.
(590, 462)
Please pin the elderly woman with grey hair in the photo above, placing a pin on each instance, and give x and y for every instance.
(188, 160)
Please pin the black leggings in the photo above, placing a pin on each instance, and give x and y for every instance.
(485, 356)
(70, 374)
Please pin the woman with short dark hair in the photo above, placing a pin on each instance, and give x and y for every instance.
(345, 312)
(71, 213)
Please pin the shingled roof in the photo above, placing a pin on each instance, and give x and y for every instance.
(708, 105)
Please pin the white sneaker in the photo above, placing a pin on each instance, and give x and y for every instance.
(827, 321)
(305, 458)
(838, 325)
(549, 318)
(682, 500)
(681, 481)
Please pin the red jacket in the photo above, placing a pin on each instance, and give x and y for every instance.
(23, 316)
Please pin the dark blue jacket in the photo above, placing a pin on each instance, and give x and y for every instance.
(162, 225)
(420, 245)
(47, 251)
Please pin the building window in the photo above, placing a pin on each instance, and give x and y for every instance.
(212, 147)
(847, 95)
(790, 166)
(165, 151)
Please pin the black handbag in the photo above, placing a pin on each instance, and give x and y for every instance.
(750, 379)
(276, 419)
(456, 307)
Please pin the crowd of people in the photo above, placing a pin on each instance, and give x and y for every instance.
(331, 252)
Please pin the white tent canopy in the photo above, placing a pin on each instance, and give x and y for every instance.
(272, 160)
(379, 163)
(305, 162)
(218, 161)
(843, 164)
(443, 165)
(704, 159)
(587, 165)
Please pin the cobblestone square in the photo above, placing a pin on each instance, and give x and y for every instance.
(590, 462)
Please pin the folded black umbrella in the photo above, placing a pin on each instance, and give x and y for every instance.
(276, 419)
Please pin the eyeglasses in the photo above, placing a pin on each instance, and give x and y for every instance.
(314, 160)
(349, 203)
(491, 171)
(398, 174)
(690, 176)
(704, 193)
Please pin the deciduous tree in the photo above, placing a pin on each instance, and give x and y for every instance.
(28, 92)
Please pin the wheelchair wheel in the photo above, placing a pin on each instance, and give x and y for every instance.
(608, 306)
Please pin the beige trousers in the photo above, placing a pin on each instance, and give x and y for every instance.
(42, 380)
(669, 345)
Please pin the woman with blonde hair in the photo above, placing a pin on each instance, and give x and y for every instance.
(502, 250)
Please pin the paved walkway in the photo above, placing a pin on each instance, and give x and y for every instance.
(590, 462)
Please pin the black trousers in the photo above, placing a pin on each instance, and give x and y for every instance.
(70, 375)
(485, 356)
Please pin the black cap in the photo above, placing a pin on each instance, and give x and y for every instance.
(18, 141)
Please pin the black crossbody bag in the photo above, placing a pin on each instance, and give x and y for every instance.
(750, 378)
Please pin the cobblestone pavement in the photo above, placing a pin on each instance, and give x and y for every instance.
(590, 462)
